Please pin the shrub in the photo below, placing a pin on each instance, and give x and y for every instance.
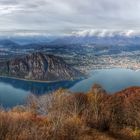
(66, 116)
(97, 115)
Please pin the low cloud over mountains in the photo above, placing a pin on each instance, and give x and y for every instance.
(107, 33)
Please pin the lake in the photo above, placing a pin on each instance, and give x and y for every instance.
(112, 80)
(15, 92)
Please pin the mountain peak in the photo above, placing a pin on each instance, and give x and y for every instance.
(39, 66)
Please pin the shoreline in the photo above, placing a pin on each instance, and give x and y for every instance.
(87, 74)
(101, 68)
(37, 81)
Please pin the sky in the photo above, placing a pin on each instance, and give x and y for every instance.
(70, 16)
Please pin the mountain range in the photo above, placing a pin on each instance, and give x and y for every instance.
(72, 39)
(91, 40)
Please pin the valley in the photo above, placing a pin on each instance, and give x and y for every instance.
(69, 70)
(83, 57)
(44, 67)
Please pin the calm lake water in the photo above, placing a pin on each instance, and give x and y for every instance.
(112, 80)
(14, 92)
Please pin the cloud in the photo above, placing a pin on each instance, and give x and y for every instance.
(106, 32)
(66, 16)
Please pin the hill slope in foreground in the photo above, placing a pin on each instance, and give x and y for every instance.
(63, 115)
(39, 66)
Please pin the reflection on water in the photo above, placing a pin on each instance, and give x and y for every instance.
(13, 91)
(10, 96)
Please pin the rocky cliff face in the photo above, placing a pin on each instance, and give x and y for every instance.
(38, 66)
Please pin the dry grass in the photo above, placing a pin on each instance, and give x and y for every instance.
(66, 116)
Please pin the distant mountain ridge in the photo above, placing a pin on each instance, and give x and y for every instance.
(118, 40)
(7, 43)
(39, 66)
(91, 40)
(72, 39)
